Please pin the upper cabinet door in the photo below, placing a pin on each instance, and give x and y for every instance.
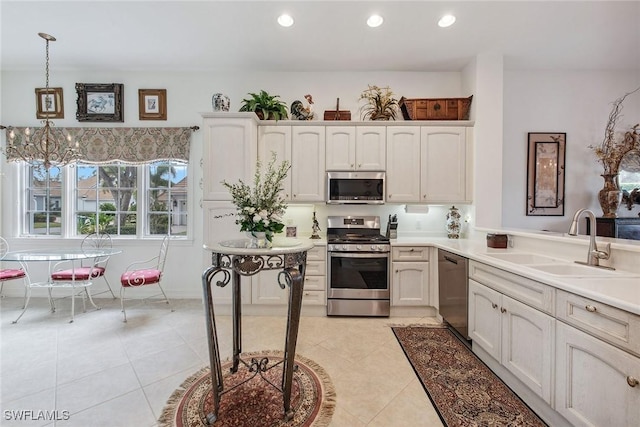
(276, 139)
(371, 148)
(341, 148)
(403, 164)
(308, 164)
(444, 175)
(229, 154)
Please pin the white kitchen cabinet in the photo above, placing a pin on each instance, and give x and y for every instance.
(276, 139)
(351, 148)
(410, 276)
(519, 337)
(308, 164)
(229, 153)
(266, 290)
(403, 164)
(443, 156)
(596, 383)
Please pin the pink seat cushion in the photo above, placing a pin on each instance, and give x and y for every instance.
(11, 273)
(81, 273)
(140, 277)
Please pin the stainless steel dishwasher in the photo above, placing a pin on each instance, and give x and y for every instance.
(453, 288)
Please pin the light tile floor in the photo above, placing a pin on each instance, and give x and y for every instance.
(103, 372)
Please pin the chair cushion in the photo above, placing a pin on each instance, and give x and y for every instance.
(11, 273)
(81, 273)
(140, 277)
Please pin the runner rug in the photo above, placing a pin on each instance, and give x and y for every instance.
(255, 403)
(464, 391)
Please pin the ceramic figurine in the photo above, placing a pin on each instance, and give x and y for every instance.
(300, 112)
(315, 228)
(453, 223)
(221, 102)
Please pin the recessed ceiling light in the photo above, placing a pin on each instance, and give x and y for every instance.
(375, 21)
(446, 21)
(285, 20)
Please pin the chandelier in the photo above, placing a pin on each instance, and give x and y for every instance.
(44, 146)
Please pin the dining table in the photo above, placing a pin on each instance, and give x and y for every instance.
(230, 261)
(54, 257)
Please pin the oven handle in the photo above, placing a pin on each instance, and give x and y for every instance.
(359, 255)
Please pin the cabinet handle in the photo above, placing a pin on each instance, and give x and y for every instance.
(295, 195)
(359, 165)
(396, 271)
(424, 196)
(411, 250)
(503, 310)
(632, 381)
(591, 308)
(494, 305)
(352, 166)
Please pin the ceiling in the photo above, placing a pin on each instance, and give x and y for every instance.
(326, 36)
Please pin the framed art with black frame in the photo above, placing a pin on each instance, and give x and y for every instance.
(545, 174)
(152, 104)
(49, 104)
(100, 102)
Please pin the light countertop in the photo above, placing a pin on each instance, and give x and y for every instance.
(621, 291)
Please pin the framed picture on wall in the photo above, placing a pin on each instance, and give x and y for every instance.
(545, 174)
(100, 102)
(152, 104)
(49, 104)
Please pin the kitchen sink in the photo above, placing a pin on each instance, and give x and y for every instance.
(575, 270)
(523, 258)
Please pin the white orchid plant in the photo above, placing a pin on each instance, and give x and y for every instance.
(260, 208)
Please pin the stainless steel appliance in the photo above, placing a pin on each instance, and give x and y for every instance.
(358, 267)
(355, 187)
(453, 288)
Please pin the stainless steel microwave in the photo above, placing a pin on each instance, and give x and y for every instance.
(355, 188)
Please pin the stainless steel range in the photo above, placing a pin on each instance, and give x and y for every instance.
(359, 267)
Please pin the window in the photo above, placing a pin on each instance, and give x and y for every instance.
(43, 213)
(105, 198)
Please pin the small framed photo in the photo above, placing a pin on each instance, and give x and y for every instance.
(291, 231)
(545, 174)
(49, 103)
(152, 104)
(100, 102)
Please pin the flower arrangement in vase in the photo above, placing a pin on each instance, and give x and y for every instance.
(610, 153)
(260, 208)
(380, 103)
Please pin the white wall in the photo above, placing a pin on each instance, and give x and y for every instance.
(189, 94)
(575, 102)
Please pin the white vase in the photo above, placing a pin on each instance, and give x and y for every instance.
(220, 102)
(453, 223)
(258, 240)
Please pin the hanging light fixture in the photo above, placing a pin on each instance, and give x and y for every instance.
(45, 145)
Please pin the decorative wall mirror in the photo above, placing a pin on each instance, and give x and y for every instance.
(629, 179)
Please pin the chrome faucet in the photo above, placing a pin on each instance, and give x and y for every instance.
(594, 256)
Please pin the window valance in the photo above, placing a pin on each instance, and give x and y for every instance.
(126, 144)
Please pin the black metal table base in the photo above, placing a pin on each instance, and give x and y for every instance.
(231, 268)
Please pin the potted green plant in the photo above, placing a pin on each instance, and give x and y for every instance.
(266, 107)
(380, 103)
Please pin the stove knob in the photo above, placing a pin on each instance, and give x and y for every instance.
(345, 247)
(359, 247)
(374, 247)
(330, 248)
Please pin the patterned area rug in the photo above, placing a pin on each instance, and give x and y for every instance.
(255, 403)
(464, 391)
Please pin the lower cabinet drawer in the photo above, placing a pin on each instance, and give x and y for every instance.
(611, 324)
(316, 268)
(315, 283)
(313, 297)
(407, 253)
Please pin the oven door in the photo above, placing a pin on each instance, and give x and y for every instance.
(358, 275)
